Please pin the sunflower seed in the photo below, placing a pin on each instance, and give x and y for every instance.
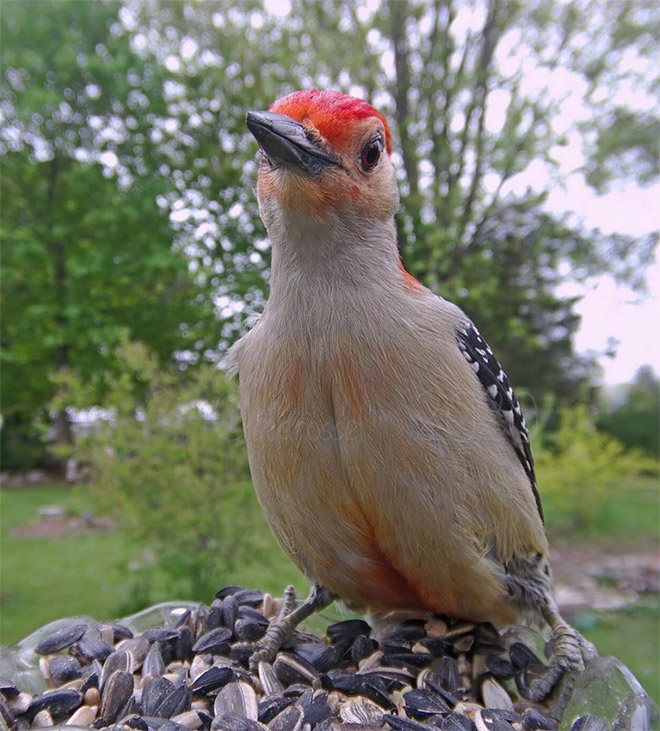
(233, 722)
(322, 657)
(457, 722)
(533, 720)
(212, 679)
(361, 710)
(290, 719)
(291, 669)
(215, 642)
(269, 680)
(61, 638)
(63, 668)
(348, 629)
(494, 695)
(115, 695)
(91, 647)
(83, 716)
(118, 661)
(238, 698)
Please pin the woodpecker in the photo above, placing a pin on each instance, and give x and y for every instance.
(386, 445)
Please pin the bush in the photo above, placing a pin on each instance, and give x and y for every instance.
(636, 422)
(579, 468)
(170, 463)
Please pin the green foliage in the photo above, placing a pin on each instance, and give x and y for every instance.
(636, 422)
(88, 257)
(171, 465)
(580, 470)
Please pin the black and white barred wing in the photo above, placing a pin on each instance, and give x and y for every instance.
(479, 355)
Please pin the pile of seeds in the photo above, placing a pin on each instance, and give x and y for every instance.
(194, 674)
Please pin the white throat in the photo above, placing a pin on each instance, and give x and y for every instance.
(339, 253)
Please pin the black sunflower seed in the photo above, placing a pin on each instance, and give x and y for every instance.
(160, 634)
(175, 702)
(120, 660)
(153, 663)
(119, 631)
(61, 638)
(234, 722)
(589, 723)
(251, 597)
(270, 707)
(249, 630)
(348, 629)
(63, 668)
(315, 706)
(227, 591)
(457, 722)
(116, 693)
(533, 720)
(215, 642)
(153, 694)
(362, 647)
(8, 688)
(229, 611)
(322, 657)
(91, 647)
(292, 669)
(424, 703)
(521, 655)
(212, 679)
(290, 719)
(404, 724)
(58, 702)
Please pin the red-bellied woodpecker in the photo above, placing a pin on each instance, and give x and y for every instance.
(386, 445)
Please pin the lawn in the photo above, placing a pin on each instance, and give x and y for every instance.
(101, 574)
(96, 573)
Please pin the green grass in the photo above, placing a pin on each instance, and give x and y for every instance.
(42, 579)
(629, 516)
(46, 579)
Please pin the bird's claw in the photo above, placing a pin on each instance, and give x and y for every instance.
(569, 651)
(279, 629)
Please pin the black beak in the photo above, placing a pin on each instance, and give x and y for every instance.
(285, 142)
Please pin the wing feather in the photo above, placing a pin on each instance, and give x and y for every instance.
(501, 397)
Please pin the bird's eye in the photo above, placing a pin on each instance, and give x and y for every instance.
(371, 154)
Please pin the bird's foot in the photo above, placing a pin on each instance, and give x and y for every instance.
(288, 619)
(569, 652)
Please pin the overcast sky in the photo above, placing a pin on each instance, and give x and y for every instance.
(611, 311)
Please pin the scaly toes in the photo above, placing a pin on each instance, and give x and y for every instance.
(262, 654)
(569, 650)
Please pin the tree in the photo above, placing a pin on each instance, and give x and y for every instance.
(636, 422)
(88, 256)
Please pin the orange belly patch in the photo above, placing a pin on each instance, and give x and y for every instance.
(382, 583)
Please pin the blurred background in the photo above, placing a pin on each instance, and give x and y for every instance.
(526, 138)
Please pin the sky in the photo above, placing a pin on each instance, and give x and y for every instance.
(611, 311)
(611, 314)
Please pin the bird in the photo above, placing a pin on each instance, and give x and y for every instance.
(386, 445)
